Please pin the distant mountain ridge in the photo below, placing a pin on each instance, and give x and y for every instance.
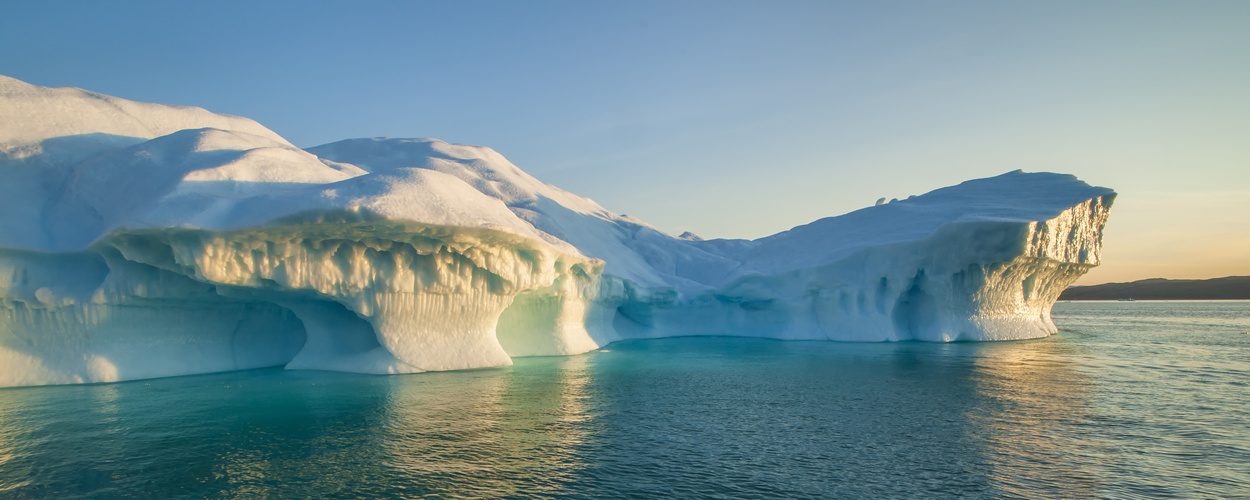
(1227, 288)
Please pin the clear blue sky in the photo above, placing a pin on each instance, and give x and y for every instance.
(729, 119)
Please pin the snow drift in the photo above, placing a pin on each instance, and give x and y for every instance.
(144, 240)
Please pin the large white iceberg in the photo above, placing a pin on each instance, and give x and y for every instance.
(143, 240)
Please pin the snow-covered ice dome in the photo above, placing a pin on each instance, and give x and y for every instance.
(144, 240)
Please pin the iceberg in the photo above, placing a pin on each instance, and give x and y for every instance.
(144, 240)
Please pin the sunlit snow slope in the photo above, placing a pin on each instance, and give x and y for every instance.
(143, 240)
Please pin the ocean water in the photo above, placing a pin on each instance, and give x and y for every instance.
(1129, 400)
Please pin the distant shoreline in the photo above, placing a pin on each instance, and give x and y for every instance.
(1228, 288)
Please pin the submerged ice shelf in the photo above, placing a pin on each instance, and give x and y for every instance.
(143, 240)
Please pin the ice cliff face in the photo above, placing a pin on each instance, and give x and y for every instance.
(142, 240)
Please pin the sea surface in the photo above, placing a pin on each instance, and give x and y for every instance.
(1129, 400)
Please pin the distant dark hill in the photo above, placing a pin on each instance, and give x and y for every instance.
(1230, 288)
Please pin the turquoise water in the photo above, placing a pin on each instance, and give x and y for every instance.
(1129, 400)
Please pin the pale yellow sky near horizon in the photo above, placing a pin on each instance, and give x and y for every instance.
(1176, 236)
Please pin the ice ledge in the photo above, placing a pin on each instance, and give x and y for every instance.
(371, 297)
